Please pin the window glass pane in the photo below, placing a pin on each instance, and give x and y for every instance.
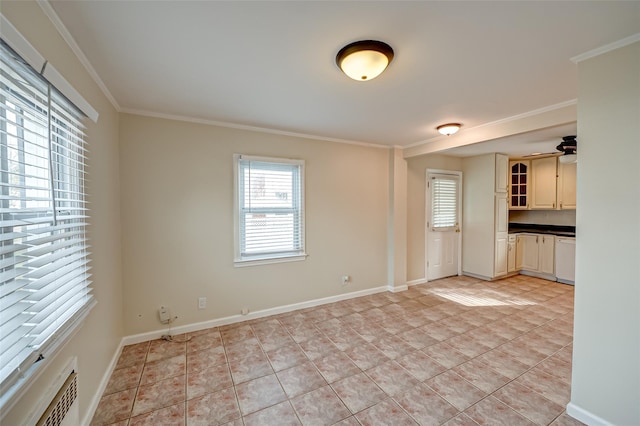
(444, 201)
(44, 265)
(271, 209)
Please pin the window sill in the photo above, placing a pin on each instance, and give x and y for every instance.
(241, 263)
(12, 394)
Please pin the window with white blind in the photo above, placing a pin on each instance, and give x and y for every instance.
(44, 263)
(444, 202)
(270, 210)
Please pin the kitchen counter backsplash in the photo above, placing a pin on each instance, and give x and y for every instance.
(547, 217)
(561, 230)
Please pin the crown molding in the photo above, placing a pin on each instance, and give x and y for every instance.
(606, 48)
(68, 38)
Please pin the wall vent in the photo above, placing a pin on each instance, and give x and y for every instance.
(62, 402)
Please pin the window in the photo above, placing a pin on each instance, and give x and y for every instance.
(270, 210)
(444, 202)
(44, 264)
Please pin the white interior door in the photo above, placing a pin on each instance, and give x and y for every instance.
(443, 230)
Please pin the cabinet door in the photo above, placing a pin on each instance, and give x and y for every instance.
(543, 187)
(502, 213)
(528, 251)
(547, 245)
(502, 172)
(511, 255)
(567, 185)
(519, 193)
(502, 243)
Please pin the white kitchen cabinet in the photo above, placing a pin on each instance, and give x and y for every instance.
(502, 234)
(535, 253)
(546, 254)
(485, 221)
(543, 183)
(567, 186)
(527, 252)
(511, 254)
(501, 257)
(519, 186)
(502, 173)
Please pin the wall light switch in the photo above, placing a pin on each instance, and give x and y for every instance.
(202, 302)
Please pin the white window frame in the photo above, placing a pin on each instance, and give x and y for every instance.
(261, 258)
(65, 201)
(451, 225)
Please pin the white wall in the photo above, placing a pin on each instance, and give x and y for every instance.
(177, 218)
(416, 192)
(96, 342)
(606, 351)
(544, 217)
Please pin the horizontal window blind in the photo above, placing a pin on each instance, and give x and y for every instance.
(444, 202)
(271, 216)
(44, 257)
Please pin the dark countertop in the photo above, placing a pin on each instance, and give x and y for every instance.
(523, 228)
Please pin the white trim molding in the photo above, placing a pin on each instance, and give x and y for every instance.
(156, 334)
(606, 48)
(71, 42)
(585, 416)
(397, 288)
(416, 282)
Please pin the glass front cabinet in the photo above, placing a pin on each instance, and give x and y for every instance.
(519, 194)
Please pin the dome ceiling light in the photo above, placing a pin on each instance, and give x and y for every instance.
(449, 129)
(364, 60)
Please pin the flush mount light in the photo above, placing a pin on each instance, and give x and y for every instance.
(364, 60)
(449, 129)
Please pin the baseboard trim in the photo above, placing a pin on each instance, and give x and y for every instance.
(585, 416)
(93, 405)
(416, 282)
(156, 334)
(397, 288)
(478, 276)
(538, 275)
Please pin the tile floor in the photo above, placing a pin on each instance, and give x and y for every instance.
(457, 351)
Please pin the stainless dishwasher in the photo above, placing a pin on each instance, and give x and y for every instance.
(566, 260)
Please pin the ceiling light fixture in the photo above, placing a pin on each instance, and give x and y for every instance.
(449, 129)
(364, 60)
(568, 147)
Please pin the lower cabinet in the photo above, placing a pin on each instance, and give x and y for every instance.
(535, 253)
(547, 254)
(511, 254)
(501, 257)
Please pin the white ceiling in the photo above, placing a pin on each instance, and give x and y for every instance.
(272, 65)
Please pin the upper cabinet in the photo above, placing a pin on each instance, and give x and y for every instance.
(567, 186)
(543, 177)
(519, 199)
(542, 184)
(502, 173)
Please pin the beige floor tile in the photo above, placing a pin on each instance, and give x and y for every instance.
(259, 393)
(320, 407)
(500, 351)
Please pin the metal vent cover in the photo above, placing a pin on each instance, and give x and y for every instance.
(59, 406)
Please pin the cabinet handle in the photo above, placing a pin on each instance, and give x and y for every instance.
(536, 239)
(554, 205)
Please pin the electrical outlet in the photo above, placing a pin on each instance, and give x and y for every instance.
(346, 279)
(165, 315)
(244, 311)
(202, 302)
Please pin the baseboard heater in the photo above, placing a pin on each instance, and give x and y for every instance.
(63, 409)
